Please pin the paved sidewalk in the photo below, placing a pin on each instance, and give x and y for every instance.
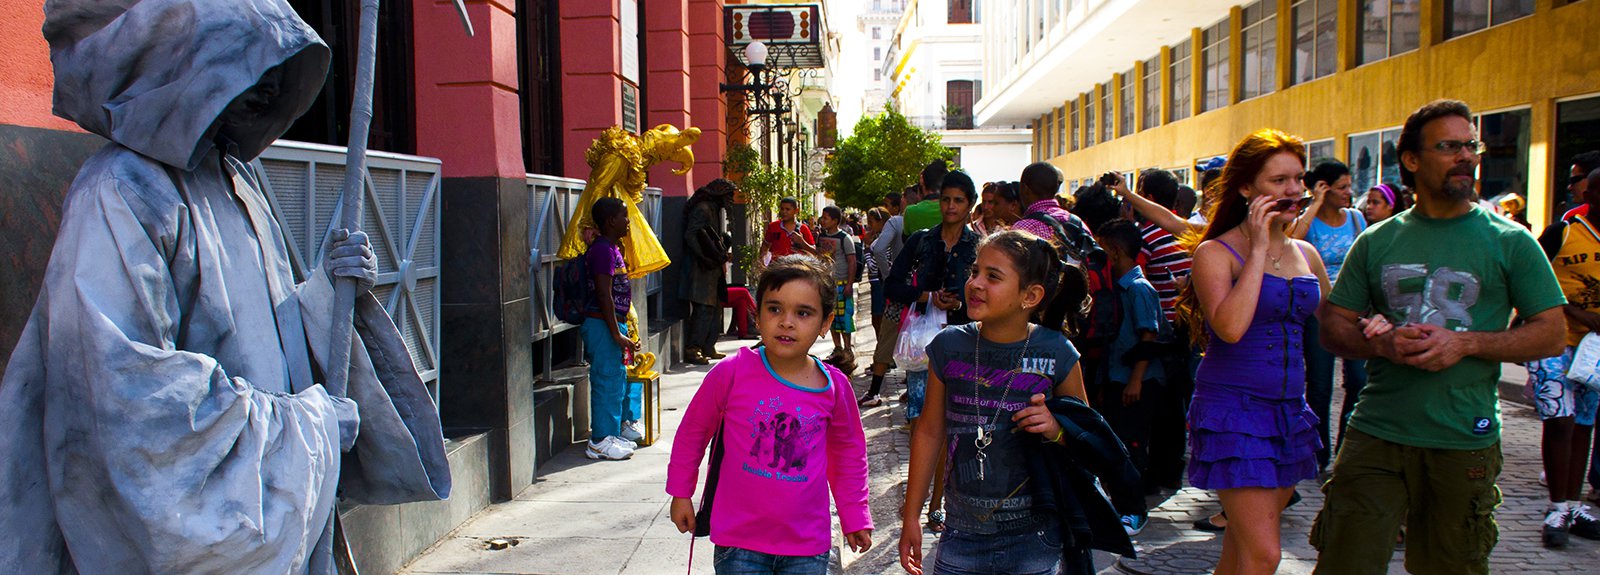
(607, 518)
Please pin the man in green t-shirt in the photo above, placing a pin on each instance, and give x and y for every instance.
(926, 214)
(1423, 446)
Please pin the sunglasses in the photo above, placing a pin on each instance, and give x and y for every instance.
(1298, 204)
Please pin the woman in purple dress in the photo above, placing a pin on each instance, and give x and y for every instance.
(1253, 288)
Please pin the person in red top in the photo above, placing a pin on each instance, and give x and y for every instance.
(787, 235)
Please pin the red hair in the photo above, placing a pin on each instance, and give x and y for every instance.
(1231, 207)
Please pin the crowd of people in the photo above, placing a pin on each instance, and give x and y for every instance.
(1110, 343)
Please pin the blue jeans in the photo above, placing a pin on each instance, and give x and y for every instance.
(612, 400)
(736, 561)
(1030, 553)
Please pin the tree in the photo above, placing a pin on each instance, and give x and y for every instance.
(884, 154)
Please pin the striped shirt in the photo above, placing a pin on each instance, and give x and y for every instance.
(1165, 262)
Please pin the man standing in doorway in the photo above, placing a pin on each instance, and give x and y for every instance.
(1449, 274)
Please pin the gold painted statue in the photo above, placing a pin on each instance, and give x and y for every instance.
(618, 162)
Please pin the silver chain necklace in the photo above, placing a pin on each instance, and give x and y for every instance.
(985, 435)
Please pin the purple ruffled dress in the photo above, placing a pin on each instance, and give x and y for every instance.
(1249, 425)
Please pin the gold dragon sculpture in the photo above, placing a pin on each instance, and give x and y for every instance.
(618, 163)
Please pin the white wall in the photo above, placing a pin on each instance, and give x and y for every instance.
(993, 162)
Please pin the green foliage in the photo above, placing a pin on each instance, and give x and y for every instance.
(885, 154)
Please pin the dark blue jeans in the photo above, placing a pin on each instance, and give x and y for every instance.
(736, 561)
(1031, 553)
(1319, 388)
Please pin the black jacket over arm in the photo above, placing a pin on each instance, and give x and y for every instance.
(1065, 481)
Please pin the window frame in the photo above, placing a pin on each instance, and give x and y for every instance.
(1215, 81)
(1152, 101)
(1259, 37)
(1180, 100)
(1490, 18)
(1129, 99)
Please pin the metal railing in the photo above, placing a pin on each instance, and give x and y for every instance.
(551, 204)
(400, 214)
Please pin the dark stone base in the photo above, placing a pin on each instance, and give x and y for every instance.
(552, 422)
(383, 538)
(36, 168)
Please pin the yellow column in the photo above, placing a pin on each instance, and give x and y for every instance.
(1432, 26)
(1071, 128)
(1197, 71)
(1541, 162)
(1349, 34)
(1138, 95)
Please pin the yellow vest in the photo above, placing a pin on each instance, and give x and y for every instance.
(1577, 268)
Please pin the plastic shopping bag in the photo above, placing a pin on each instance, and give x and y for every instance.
(1585, 368)
(917, 329)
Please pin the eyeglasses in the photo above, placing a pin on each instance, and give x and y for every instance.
(1453, 147)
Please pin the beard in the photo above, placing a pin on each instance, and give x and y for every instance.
(1459, 190)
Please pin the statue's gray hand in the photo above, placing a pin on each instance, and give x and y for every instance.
(350, 256)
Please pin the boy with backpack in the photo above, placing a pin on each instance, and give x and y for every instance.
(839, 248)
(613, 424)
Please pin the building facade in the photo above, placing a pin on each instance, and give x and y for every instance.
(502, 118)
(1127, 85)
(934, 69)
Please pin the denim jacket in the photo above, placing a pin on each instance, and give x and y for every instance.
(925, 266)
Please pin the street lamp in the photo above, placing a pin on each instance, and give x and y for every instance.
(767, 92)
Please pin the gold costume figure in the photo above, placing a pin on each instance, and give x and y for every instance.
(618, 162)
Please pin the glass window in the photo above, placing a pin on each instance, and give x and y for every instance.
(1260, 35)
(1073, 125)
(1319, 150)
(1129, 100)
(877, 32)
(1089, 116)
(1387, 28)
(1577, 131)
(1503, 166)
(1374, 159)
(1463, 16)
(877, 74)
(1106, 109)
(1215, 55)
(1061, 129)
(1152, 94)
(1316, 50)
(1178, 106)
(1182, 174)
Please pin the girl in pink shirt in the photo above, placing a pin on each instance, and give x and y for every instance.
(790, 435)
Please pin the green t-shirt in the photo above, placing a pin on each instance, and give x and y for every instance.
(921, 216)
(1465, 273)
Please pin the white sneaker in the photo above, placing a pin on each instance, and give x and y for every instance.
(610, 448)
(632, 432)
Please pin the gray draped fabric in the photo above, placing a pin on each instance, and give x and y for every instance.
(161, 412)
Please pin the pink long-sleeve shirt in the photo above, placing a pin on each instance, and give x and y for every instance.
(786, 448)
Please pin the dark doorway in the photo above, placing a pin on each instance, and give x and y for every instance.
(393, 95)
(539, 74)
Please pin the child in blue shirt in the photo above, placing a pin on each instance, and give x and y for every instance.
(1133, 375)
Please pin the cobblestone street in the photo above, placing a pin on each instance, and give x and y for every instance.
(586, 517)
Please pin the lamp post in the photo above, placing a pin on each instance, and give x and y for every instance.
(767, 94)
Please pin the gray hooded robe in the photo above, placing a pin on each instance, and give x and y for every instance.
(160, 413)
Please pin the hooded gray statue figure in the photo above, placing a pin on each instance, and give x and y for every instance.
(162, 412)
